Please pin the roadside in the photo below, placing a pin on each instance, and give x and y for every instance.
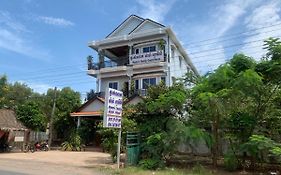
(54, 163)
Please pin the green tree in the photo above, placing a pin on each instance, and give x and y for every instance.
(67, 101)
(31, 116)
(240, 98)
(3, 90)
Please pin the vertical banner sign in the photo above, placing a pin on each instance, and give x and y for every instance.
(113, 108)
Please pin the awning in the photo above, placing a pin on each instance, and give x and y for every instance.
(86, 114)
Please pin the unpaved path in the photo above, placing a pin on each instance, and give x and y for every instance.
(54, 163)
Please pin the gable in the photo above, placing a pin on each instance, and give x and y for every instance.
(95, 105)
(135, 100)
(127, 26)
(147, 25)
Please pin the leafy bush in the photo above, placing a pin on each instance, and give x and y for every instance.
(230, 162)
(74, 143)
(261, 148)
(151, 164)
(110, 136)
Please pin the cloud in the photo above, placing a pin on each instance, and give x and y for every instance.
(264, 20)
(13, 37)
(55, 21)
(220, 19)
(154, 10)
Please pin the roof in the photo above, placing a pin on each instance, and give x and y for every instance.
(135, 26)
(89, 102)
(8, 120)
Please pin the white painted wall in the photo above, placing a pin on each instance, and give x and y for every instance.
(120, 80)
(128, 27)
(178, 65)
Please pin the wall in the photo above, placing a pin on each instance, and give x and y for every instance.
(120, 80)
(178, 66)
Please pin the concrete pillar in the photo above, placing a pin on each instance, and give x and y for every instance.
(78, 122)
(101, 58)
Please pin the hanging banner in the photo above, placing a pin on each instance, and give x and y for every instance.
(146, 58)
(113, 108)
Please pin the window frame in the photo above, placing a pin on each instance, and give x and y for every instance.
(113, 82)
(149, 82)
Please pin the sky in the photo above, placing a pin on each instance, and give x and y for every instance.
(44, 43)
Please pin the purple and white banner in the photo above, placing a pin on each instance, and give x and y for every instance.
(113, 108)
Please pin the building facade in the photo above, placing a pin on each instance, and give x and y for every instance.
(137, 54)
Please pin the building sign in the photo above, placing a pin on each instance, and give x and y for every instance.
(113, 108)
(145, 58)
(19, 139)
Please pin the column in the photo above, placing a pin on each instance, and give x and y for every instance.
(101, 58)
(78, 122)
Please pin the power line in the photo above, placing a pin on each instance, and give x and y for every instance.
(230, 35)
(229, 46)
(232, 38)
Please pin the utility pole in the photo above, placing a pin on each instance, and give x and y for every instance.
(52, 119)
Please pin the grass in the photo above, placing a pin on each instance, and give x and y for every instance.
(197, 170)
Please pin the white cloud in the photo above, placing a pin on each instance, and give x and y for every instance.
(221, 19)
(55, 21)
(13, 37)
(154, 10)
(263, 16)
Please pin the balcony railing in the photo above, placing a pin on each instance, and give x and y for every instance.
(127, 94)
(105, 64)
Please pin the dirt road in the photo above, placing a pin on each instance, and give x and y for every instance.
(53, 163)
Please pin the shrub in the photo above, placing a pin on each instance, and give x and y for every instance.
(74, 143)
(151, 164)
(230, 162)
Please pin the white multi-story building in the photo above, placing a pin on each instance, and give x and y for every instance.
(137, 54)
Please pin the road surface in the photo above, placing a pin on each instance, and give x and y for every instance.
(53, 163)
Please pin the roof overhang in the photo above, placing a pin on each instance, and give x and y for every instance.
(121, 40)
(87, 114)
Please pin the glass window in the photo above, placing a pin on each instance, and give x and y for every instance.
(180, 60)
(145, 49)
(149, 49)
(146, 82)
(113, 85)
(163, 80)
(136, 84)
(137, 51)
(152, 48)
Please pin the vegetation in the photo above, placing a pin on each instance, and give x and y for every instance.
(34, 109)
(74, 143)
(237, 106)
(235, 110)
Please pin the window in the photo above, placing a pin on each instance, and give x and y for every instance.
(163, 80)
(152, 48)
(113, 85)
(137, 51)
(149, 49)
(146, 82)
(136, 84)
(145, 49)
(180, 60)
(172, 52)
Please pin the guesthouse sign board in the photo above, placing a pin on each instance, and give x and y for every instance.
(146, 58)
(113, 108)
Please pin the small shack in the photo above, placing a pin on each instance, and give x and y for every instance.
(11, 130)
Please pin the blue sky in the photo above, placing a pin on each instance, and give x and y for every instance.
(43, 43)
